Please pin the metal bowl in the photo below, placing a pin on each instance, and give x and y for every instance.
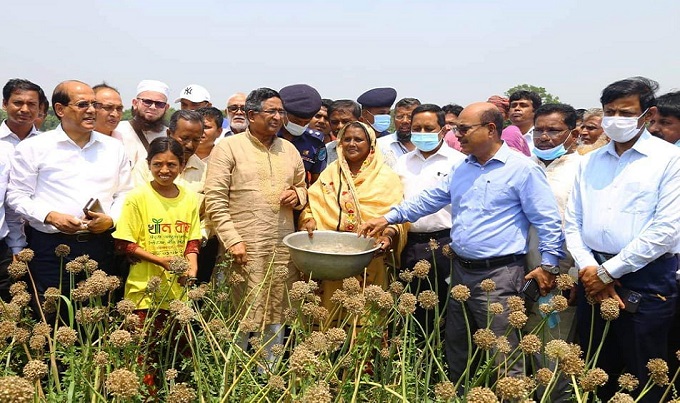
(330, 255)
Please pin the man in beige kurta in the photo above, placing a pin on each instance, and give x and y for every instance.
(254, 182)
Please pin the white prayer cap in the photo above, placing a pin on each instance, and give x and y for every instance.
(194, 93)
(153, 85)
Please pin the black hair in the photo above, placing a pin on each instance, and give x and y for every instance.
(18, 84)
(407, 102)
(43, 102)
(535, 99)
(191, 116)
(669, 104)
(493, 115)
(567, 111)
(441, 115)
(580, 113)
(345, 104)
(257, 96)
(162, 144)
(642, 87)
(325, 102)
(212, 113)
(454, 109)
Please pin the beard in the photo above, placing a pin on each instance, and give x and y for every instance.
(403, 136)
(238, 127)
(148, 125)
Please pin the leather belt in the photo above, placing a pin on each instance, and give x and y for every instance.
(601, 257)
(424, 237)
(489, 263)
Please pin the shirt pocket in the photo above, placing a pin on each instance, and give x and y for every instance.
(638, 198)
(495, 195)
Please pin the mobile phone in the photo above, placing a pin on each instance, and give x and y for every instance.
(92, 205)
(531, 290)
(631, 299)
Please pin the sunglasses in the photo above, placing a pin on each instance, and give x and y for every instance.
(236, 108)
(149, 102)
(82, 105)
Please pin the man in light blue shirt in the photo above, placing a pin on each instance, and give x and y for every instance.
(622, 226)
(495, 195)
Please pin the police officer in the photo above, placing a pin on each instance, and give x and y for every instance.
(301, 103)
(375, 108)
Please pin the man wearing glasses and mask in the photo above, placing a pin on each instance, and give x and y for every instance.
(148, 109)
(52, 180)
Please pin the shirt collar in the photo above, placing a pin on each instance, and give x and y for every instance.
(61, 136)
(643, 145)
(6, 131)
(193, 162)
(501, 155)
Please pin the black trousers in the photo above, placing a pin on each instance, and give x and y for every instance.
(634, 338)
(5, 280)
(418, 249)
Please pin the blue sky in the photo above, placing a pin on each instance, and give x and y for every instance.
(437, 51)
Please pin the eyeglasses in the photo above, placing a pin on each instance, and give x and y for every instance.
(549, 133)
(83, 105)
(149, 102)
(273, 112)
(462, 129)
(110, 108)
(236, 108)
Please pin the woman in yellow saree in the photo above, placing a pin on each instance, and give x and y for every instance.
(356, 187)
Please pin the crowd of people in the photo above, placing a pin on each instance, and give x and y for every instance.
(519, 191)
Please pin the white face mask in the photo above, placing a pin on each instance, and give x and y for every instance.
(621, 129)
(295, 129)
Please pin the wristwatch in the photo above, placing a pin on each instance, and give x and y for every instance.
(552, 269)
(603, 275)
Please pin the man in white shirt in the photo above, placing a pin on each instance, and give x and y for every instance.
(148, 109)
(399, 143)
(622, 226)
(53, 177)
(522, 106)
(425, 167)
(111, 111)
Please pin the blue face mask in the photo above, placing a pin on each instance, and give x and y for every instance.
(381, 122)
(551, 153)
(677, 143)
(425, 141)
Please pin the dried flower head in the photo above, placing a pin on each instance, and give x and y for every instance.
(100, 358)
(120, 338)
(336, 337)
(34, 370)
(484, 339)
(503, 345)
(89, 315)
(21, 299)
(559, 303)
(373, 292)
(658, 371)
(571, 364)
(74, 267)
(125, 307)
(407, 304)
(460, 292)
(496, 308)
(42, 329)
(406, 276)
(530, 344)
(318, 393)
(592, 379)
(171, 374)
(445, 391)
(10, 311)
(62, 250)
(628, 382)
(52, 293)
(298, 291)
(7, 329)
(487, 285)
(351, 285)
(197, 293)
(428, 299)
(18, 287)
(21, 335)
(354, 304)
(122, 383)
(556, 349)
(26, 255)
(303, 360)
(480, 394)
(17, 269)
(433, 244)
(386, 300)
(515, 304)
(396, 287)
(248, 325)
(517, 319)
(181, 393)
(564, 282)
(422, 268)
(546, 309)
(153, 285)
(543, 376)
(281, 273)
(511, 388)
(625, 398)
(178, 265)
(66, 336)
(15, 389)
(186, 315)
(276, 382)
(609, 309)
(447, 251)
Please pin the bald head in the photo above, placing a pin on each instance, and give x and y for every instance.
(74, 104)
(484, 112)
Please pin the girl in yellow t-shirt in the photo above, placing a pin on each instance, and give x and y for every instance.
(160, 221)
